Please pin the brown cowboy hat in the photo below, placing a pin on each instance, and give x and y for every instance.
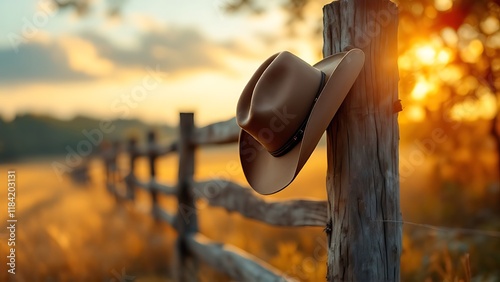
(284, 110)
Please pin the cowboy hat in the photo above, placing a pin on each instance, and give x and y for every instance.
(284, 110)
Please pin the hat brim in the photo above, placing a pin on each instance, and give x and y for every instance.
(267, 174)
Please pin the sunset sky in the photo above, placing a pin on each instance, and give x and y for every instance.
(153, 61)
(166, 56)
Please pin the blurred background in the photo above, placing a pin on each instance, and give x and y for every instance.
(124, 67)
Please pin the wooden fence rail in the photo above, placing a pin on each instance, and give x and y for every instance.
(365, 239)
(191, 246)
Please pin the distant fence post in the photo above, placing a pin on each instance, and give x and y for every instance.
(152, 155)
(364, 219)
(186, 218)
(106, 156)
(130, 180)
(112, 176)
(192, 247)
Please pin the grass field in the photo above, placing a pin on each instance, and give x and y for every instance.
(67, 232)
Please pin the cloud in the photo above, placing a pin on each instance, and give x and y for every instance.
(37, 62)
(174, 49)
(90, 56)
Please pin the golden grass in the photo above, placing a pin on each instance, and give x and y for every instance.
(67, 232)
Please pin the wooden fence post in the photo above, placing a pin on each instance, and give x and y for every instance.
(130, 180)
(112, 169)
(186, 218)
(152, 155)
(106, 156)
(364, 226)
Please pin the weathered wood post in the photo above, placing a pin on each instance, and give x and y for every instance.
(106, 157)
(186, 218)
(130, 180)
(113, 177)
(364, 242)
(152, 155)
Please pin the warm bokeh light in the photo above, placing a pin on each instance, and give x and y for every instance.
(472, 52)
(444, 56)
(437, 76)
(473, 109)
(429, 91)
(443, 5)
(450, 74)
(414, 113)
(490, 25)
(426, 54)
(421, 89)
(431, 54)
(450, 37)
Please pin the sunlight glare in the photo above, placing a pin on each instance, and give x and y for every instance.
(405, 62)
(422, 87)
(426, 54)
(415, 113)
(443, 57)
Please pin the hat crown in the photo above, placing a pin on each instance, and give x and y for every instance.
(278, 99)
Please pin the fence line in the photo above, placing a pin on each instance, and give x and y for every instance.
(191, 246)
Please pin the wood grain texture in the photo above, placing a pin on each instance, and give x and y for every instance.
(186, 221)
(152, 157)
(236, 263)
(186, 210)
(217, 133)
(235, 198)
(129, 179)
(362, 147)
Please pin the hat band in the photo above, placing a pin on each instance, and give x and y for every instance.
(297, 136)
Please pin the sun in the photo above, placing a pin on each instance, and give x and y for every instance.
(430, 54)
(430, 63)
(426, 54)
(425, 61)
